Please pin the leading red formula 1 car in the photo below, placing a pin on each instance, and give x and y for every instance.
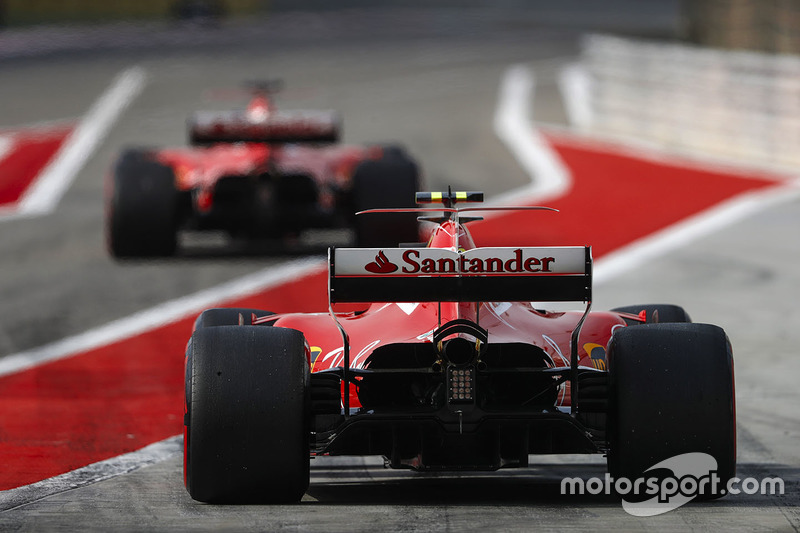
(449, 366)
(258, 173)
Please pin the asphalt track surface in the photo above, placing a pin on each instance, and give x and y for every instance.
(430, 79)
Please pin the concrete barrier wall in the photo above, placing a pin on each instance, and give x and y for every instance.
(744, 105)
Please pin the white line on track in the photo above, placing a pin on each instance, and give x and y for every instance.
(682, 233)
(160, 315)
(575, 86)
(6, 142)
(138, 323)
(512, 124)
(548, 177)
(122, 464)
(43, 195)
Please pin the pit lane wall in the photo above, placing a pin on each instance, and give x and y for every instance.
(738, 105)
(31, 12)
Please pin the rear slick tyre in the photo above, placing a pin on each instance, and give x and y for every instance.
(392, 181)
(247, 420)
(141, 208)
(671, 393)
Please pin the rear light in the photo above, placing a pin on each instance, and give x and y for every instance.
(204, 201)
(461, 384)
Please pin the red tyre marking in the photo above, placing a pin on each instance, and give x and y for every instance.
(112, 400)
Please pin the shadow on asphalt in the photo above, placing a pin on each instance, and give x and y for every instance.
(537, 484)
(350, 486)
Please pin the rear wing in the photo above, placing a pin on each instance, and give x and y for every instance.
(534, 274)
(516, 274)
(208, 127)
(508, 274)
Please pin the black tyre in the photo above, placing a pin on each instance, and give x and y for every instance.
(395, 152)
(247, 420)
(141, 208)
(655, 313)
(671, 392)
(388, 182)
(228, 316)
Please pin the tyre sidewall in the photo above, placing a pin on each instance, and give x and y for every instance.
(671, 392)
(141, 207)
(248, 432)
(389, 182)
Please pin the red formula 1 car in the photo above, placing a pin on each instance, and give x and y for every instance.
(459, 372)
(258, 173)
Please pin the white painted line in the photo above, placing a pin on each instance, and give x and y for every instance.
(684, 232)
(12, 212)
(6, 142)
(138, 323)
(549, 177)
(512, 124)
(160, 315)
(122, 464)
(44, 194)
(658, 153)
(575, 85)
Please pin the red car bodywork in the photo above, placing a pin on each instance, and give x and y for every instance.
(197, 171)
(451, 364)
(256, 173)
(389, 323)
(397, 369)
